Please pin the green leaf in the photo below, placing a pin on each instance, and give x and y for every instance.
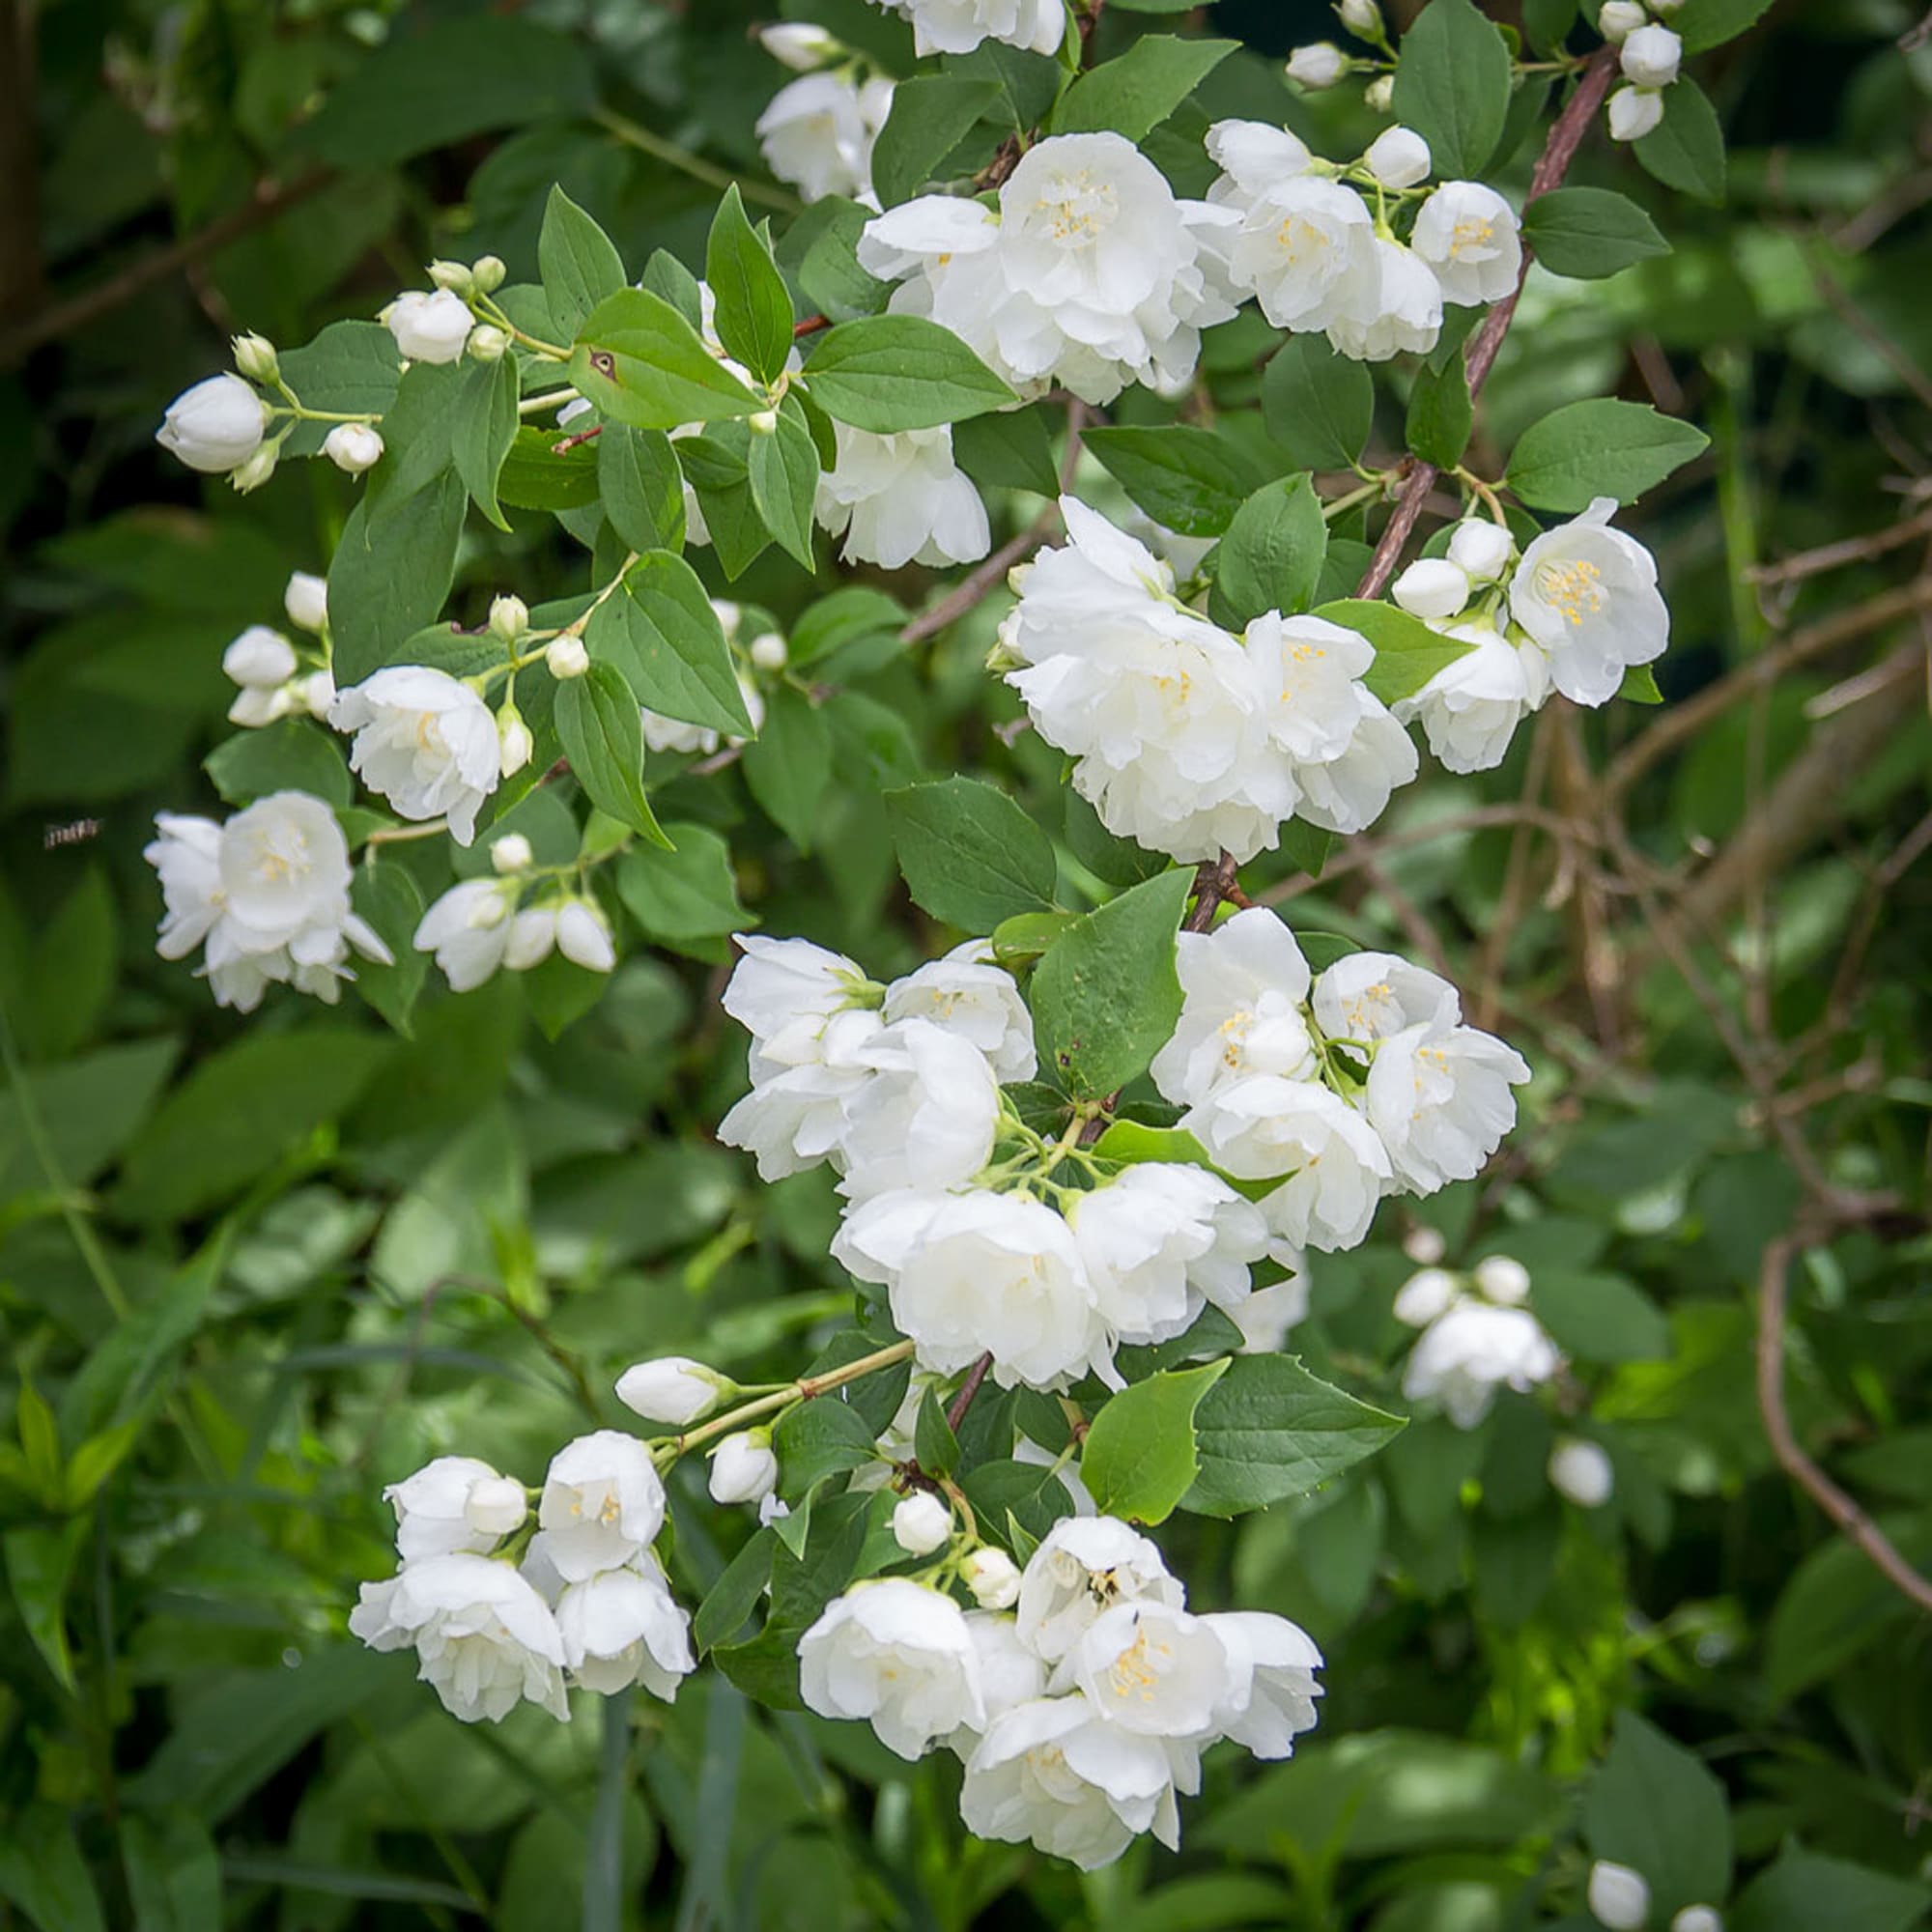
(578, 261)
(43, 1872)
(39, 1562)
(291, 754)
(736, 1594)
(389, 575)
(1601, 1318)
(174, 1873)
(1440, 415)
(1105, 995)
(1588, 231)
(789, 764)
(597, 720)
(1408, 652)
(1686, 149)
(1135, 94)
(1452, 85)
(1271, 556)
(1639, 686)
(1028, 83)
(535, 477)
(1010, 450)
(931, 114)
(1318, 406)
(350, 369)
(818, 1438)
(389, 897)
(1709, 23)
(1657, 1807)
(753, 308)
(689, 891)
(1269, 1431)
(1806, 1891)
(641, 487)
(830, 275)
(1599, 448)
(1192, 480)
(642, 364)
(970, 855)
(718, 470)
(1139, 1457)
(891, 371)
(660, 630)
(1004, 1491)
(1131, 1142)
(783, 469)
(933, 1443)
(483, 431)
(851, 615)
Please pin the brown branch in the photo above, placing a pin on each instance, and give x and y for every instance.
(808, 325)
(955, 1413)
(1847, 549)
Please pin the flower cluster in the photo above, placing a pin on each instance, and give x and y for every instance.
(1341, 1089)
(1081, 1716)
(1478, 1337)
(899, 500)
(1305, 244)
(1091, 274)
(1649, 55)
(959, 26)
(481, 925)
(1185, 738)
(269, 670)
(588, 1606)
(1579, 609)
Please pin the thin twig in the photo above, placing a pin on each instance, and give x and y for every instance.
(955, 1413)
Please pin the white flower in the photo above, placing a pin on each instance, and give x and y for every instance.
(1009, 1674)
(497, 1504)
(603, 1502)
(1467, 234)
(993, 1577)
(1581, 1471)
(1587, 594)
(968, 995)
(1619, 1897)
(1312, 671)
(468, 928)
(794, 1116)
(1651, 56)
(215, 426)
(1440, 1098)
(1272, 1689)
(1151, 1668)
(672, 1389)
(259, 658)
(897, 1655)
(966, 1273)
(799, 44)
(1698, 1919)
(1470, 1351)
(1482, 548)
(1269, 1314)
(1317, 65)
(434, 1516)
(783, 992)
(1503, 1279)
(1244, 1009)
(1396, 306)
(817, 134)
(743, 1467)
(353, 448)
(1304, 246)
(1256, 155)
(1432, 586)
(1366, 996)
(959, 26)
(1051, 1773)
(922, 1523)
(430, 327)
(1618, 19)
(1350, 792)
(1336, 1166)
(1159, 1241)
(532, 935)
(925, 1120)
(1633, 112)
(1083, 1568)
(583, 935)
(1427, 1294)
(307, 601)
(423, 740)
(900, 500)
(484, 1640)
(1398, 158)
(623, 1627)
(1469, 710)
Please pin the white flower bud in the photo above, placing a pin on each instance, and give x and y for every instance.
(316, 692)
(584, 936)
(922, 1523)
(511, 854)
(216, 425)
(743, 1467)
(1319, 65)
(1666, 7)
(1424, 1245)
(510, 618)
(1694, 1918)
(1619, 19)
(255, 357)
(495, 1505)
(1634, 111)
(768, 651)
(514, 740)
(1503, 1279)
(1424, 1295)
(764, 422)
(993, 1577)
(485, 911)
(1651, 57)
(1363, 18)
(1581, 1471)
(1432, 586)
(1481, 549)
(430, 329)
(452, 275)
(672, 1389)
(488, 343)
(1378, 97)
(307, 601)
(1619, 1897)
(259, 659)
(353, 448)
(566, 657)
(532, 938)
(257, 705)
(799, 45)
(1398, 158)
(487, 274)
(257, 471)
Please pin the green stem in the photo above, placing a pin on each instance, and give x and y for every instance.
(787, 1394)
(694, 165)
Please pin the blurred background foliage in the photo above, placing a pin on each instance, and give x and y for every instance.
(249, 1271)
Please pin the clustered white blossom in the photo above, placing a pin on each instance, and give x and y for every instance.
(959, 26)
(516, 919)
(816, 134)
(901, 498)
(1081, 1716)
(1649, 55)
(272, 678)
(1477, 1338)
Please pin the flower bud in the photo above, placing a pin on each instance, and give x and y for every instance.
(672, 1389)
(993, 1577)
(1581, 1471)
(1619, 1897)
(488, 343)
(1319, 65)
(1481, 549)
(353, 448)
(430, 329)
(1432, 586)
(495, 1505)
(1424, 1295)
(1378, 97)
(743, 1467)
(1362, 18)
(514, 740)
(452, 275)
(533, 937)
(768, 651)
(509, 617)
(488, 912)
(259, 659)
(511, 854)
(922, 1523)
(255, 357)
(487, 274)
(1398, 158)
(1503, 1279)
(1694, 1918)
(257, 471)
(256, 705)
(307, 601)
(216, 425)
(565, 656)
(1619, 19)
(729, 615)
(1634, 111)
(764, 422)
(1651, 57)
(584, 936)
(316, 692)
(1424, 1245)
(799, 45)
